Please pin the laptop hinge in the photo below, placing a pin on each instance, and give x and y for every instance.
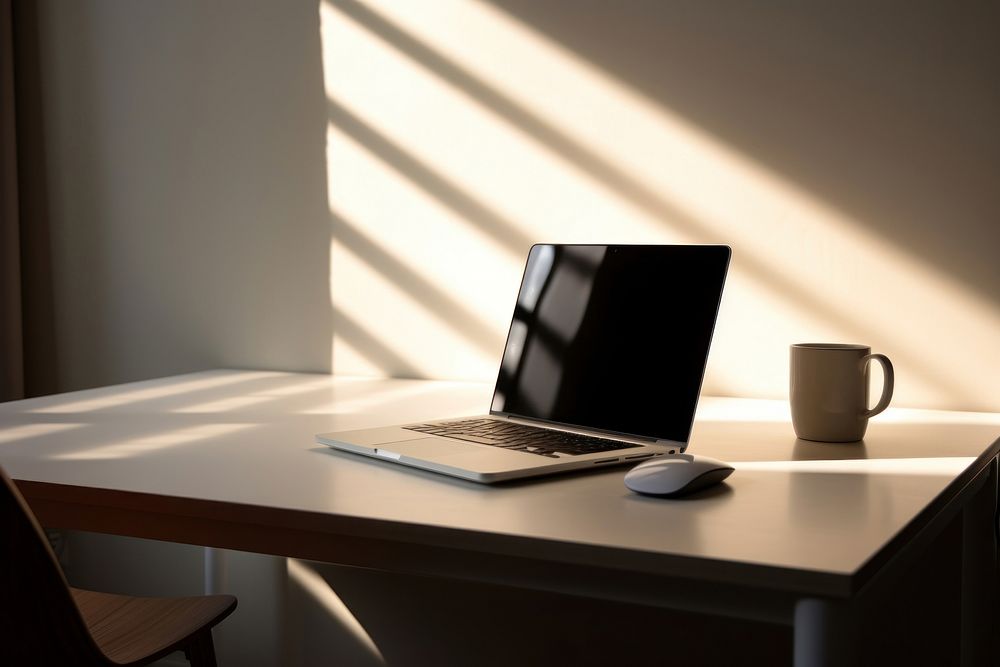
(673, 445)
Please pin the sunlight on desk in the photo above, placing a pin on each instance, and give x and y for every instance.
(945, 465)
(128, 394)
(227, 404)
(917, 416)
(296, 388)
(742, 410)
(273, 395)
(152, 443)
(400, 390)
(723, 409)
(23, 432)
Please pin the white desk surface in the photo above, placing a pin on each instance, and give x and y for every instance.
(808, 517)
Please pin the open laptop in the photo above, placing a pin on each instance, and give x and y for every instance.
(603, 365)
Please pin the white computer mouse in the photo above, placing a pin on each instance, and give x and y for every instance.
(676, 475)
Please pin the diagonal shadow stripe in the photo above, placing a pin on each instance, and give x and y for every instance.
(518, 116)
(444, 190)
(437, 302)
(609, 175)
(371, 348)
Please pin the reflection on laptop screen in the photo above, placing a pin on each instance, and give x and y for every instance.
(612, 337)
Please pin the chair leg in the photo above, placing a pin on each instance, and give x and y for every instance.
(201, 651)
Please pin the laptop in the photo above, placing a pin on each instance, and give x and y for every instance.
(603, 366)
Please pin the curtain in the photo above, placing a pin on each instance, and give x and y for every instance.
(27, 332)
(11, 345)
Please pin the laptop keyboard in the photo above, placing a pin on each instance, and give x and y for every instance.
(521, 438)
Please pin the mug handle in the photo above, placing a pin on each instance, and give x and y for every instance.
(887, 385)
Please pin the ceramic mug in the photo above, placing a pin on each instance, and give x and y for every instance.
(829, 390)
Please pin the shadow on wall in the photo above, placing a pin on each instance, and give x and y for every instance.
(187, 186)
(40, 360)
(887, 111)
(380, 618)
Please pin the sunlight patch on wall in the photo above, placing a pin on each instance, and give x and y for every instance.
(458, 136)
(384, 309)
(427, 180)
(352, 361)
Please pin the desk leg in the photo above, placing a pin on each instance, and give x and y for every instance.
(826, 633)
(215, 571)
(979, 574)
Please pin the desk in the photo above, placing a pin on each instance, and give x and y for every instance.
(803, 533)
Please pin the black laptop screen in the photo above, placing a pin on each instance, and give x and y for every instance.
(613, 338)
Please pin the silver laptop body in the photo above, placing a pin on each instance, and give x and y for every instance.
(603, 365)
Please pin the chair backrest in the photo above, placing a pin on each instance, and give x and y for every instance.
(39, 622)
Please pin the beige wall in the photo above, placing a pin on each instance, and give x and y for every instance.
(848, 153)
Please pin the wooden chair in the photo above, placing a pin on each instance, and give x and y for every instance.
(44, 621)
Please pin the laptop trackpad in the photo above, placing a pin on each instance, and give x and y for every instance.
(422, 448)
